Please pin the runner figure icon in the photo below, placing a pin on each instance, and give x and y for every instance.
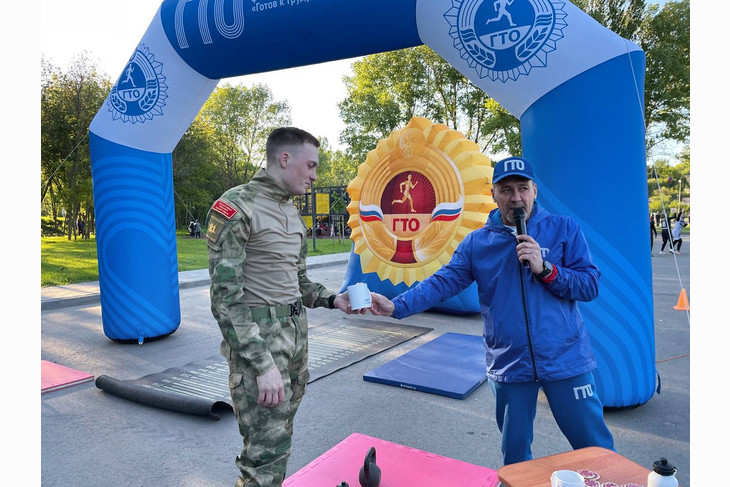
(501, 7)
(406, 192)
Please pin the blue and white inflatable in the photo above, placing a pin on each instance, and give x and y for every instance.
(576, 87)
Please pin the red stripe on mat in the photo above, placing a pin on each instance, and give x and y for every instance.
(55, 376)
(400, 466)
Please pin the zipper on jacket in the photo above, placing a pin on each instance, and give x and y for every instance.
(527, 320)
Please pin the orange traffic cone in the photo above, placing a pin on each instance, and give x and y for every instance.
(682, 303)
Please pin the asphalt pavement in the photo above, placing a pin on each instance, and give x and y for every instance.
(92, 438)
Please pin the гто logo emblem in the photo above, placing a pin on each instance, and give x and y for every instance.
(503, 39)
(140, 92)
(416, 196)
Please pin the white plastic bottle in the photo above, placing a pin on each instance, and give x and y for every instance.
(663, 475)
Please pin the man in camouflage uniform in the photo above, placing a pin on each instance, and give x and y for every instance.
(257, 253)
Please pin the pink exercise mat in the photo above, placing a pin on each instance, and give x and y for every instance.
(400, 466)
(55, 376)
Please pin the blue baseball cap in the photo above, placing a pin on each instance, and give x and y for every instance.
(512, 166)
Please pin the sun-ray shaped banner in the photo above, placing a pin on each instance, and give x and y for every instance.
(419, 192)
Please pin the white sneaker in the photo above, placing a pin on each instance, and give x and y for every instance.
(671, 251)
(661, 252)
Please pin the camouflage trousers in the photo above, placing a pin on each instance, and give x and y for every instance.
(267, 432)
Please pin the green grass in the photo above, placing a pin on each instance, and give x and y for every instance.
(69, 262)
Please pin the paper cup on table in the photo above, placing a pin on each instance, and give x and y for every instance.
(566, 478)
(359, 296)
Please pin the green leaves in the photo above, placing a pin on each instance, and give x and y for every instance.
(69, 101)
(663, 34)
(388, 89)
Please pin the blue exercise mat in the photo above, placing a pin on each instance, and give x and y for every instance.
(452, 365)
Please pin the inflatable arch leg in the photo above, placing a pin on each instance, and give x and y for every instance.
(586, 139)
(135, 216)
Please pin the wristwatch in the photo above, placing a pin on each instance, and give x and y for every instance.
(547, 269)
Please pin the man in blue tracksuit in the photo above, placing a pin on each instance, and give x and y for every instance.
(529, 286)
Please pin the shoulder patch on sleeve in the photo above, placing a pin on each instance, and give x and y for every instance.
(224, 209)
(215, 227)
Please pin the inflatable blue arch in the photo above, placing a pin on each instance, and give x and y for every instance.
(576, 87)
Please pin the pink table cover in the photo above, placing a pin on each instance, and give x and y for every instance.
(400, 466)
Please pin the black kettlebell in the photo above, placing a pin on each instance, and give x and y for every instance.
(343, 484)
(370, 472)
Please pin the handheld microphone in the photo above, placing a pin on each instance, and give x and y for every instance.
(518, 215)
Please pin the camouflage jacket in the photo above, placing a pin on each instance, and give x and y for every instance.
(228, 230)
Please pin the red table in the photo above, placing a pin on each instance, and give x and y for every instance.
(611, 466)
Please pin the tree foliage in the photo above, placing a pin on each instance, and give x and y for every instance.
(69, 101)
(665, 38)
(663, 33)
(194, 173)
(624, 17)
(240, 119)
(336, 168)
(669, 185)
(388, 89)
(223, 147)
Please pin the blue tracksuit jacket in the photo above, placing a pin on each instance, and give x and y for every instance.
(532, 330)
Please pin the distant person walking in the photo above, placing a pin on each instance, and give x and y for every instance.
(652, 233)
(677, 233)
(665, 233)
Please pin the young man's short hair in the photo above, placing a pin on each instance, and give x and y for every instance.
(284, 137)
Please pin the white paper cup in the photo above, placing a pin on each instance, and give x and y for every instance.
(359, 296)
(566, 478)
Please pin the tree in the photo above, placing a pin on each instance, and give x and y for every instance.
(69, 101)
(502, 130)
(370, 112)
(388, 89)
(669, 185)
(241, 119)
(193, 172)
(624, 17)
(222, 148)
(336, 168)
(663, 35)
(665, 39)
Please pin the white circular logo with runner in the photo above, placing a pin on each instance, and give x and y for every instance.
(140, 92)
(503, 39)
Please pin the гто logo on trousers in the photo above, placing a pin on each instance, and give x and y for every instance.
(140, 91)
(503, 39)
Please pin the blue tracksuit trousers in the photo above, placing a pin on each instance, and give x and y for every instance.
(575, 405)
